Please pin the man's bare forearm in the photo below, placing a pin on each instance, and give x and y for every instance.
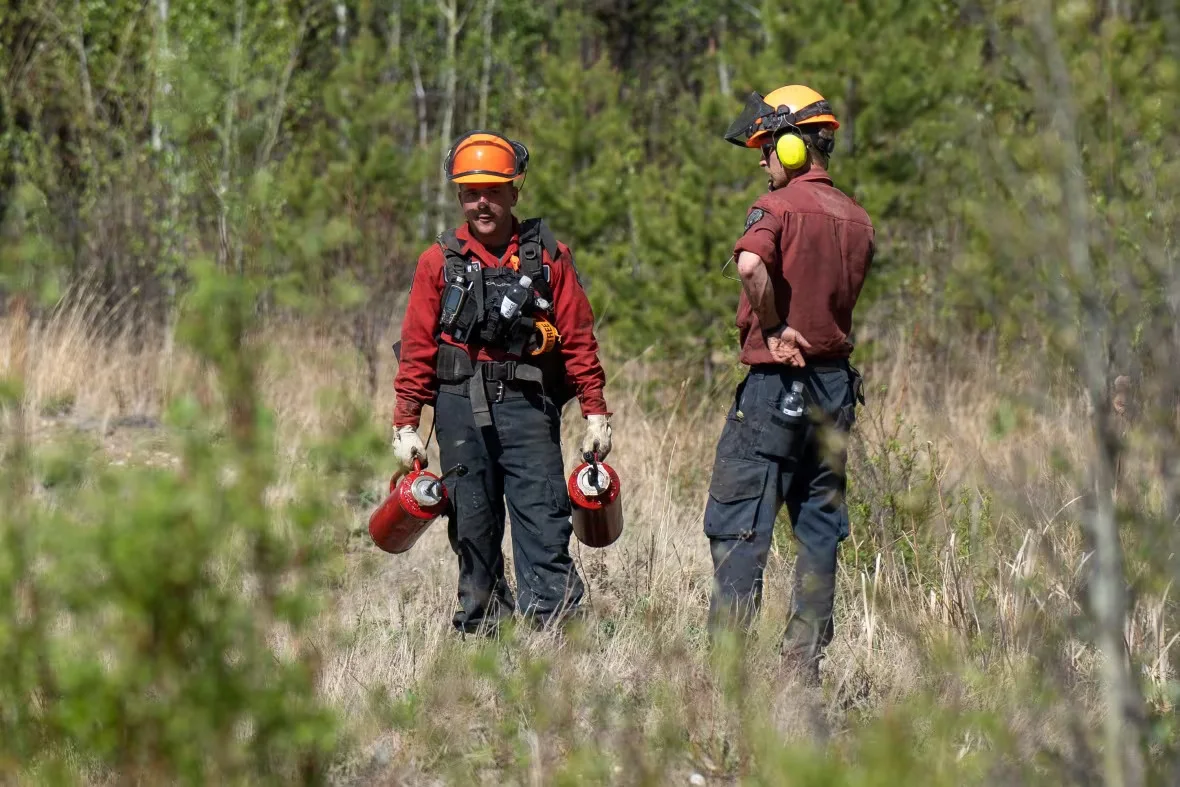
(759, 290)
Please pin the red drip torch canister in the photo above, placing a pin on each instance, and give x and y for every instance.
(413, 503)
(597, 507)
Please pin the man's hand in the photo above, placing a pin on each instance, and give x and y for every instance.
(784, 346)
(406, 446)
(598, 436)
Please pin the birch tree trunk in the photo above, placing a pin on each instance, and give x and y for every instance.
(722, 65)
(485, 76)
(1124, 766)
(341, 25)
(83, 62)
(163, 61)
(228, 135)
(450, 77)
(173, 182)
(423, 141)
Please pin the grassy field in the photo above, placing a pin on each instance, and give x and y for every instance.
(960, 654)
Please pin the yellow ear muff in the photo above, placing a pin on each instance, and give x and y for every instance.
(791, 151)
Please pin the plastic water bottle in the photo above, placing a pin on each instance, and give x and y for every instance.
(792, 405)
(515, 298)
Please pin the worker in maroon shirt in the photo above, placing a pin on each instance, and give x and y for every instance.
(802, 260)
(498, 336)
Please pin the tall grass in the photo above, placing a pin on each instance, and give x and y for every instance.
(961, 654)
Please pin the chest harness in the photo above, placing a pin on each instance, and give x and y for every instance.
(499, 307)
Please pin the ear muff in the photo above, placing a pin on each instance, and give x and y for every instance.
(790, 149)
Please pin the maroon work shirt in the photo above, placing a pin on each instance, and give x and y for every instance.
(817, 244)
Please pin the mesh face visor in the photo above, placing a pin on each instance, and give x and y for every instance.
(754, 117)
(758, 118)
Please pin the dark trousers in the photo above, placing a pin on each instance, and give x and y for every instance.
(517, 459)
(757, 469)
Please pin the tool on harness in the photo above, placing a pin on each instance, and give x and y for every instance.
(595, 493)
(413, 503)
(453, 301)
(544, 338)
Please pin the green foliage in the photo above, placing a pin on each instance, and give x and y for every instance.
(155, 623)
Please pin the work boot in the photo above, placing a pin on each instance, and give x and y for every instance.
(804, 668)
(801, 652)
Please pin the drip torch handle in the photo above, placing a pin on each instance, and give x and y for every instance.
(459, 470)
(592, 458)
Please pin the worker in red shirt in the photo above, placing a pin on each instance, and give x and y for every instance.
(802, 260)
(498, 336)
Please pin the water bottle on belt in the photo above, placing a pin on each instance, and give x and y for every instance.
(785, 426)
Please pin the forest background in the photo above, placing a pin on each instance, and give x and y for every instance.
(209, 216)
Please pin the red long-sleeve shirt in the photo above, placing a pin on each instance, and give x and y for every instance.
(416, 382)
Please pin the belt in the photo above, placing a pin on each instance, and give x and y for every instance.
(818, 363)
(492, 383)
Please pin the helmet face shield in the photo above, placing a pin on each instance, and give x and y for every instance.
(755, 122)
(755, 117)
(759, 119)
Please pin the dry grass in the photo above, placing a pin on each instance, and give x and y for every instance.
(957, 585)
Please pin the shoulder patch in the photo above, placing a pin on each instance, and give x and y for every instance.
(754, 217)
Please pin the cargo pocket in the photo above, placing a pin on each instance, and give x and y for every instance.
(735, 493)
(469, 513)
(779, 438)
(560, 494)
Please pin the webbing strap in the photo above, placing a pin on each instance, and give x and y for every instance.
(479, 401)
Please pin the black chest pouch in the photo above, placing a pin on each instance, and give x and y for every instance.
(508, 302)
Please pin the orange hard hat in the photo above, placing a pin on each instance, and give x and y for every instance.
(485, 157)
(790, 105)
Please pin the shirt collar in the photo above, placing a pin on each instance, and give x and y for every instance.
(471, 244)
(814, 174)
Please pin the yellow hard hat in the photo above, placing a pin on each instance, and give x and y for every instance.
(790, 105)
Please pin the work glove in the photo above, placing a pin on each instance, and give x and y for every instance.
(407, 445)
(598, 434)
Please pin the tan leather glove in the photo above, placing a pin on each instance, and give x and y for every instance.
(598, 435)
(407, 445)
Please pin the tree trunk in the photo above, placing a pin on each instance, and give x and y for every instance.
(450, 75)
(228, 144)
(84, 63)
(848, 122)
(1124, 764)
(163, 86)
(341, 25)
(485, 77)
(722, 66)
(423, 142)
